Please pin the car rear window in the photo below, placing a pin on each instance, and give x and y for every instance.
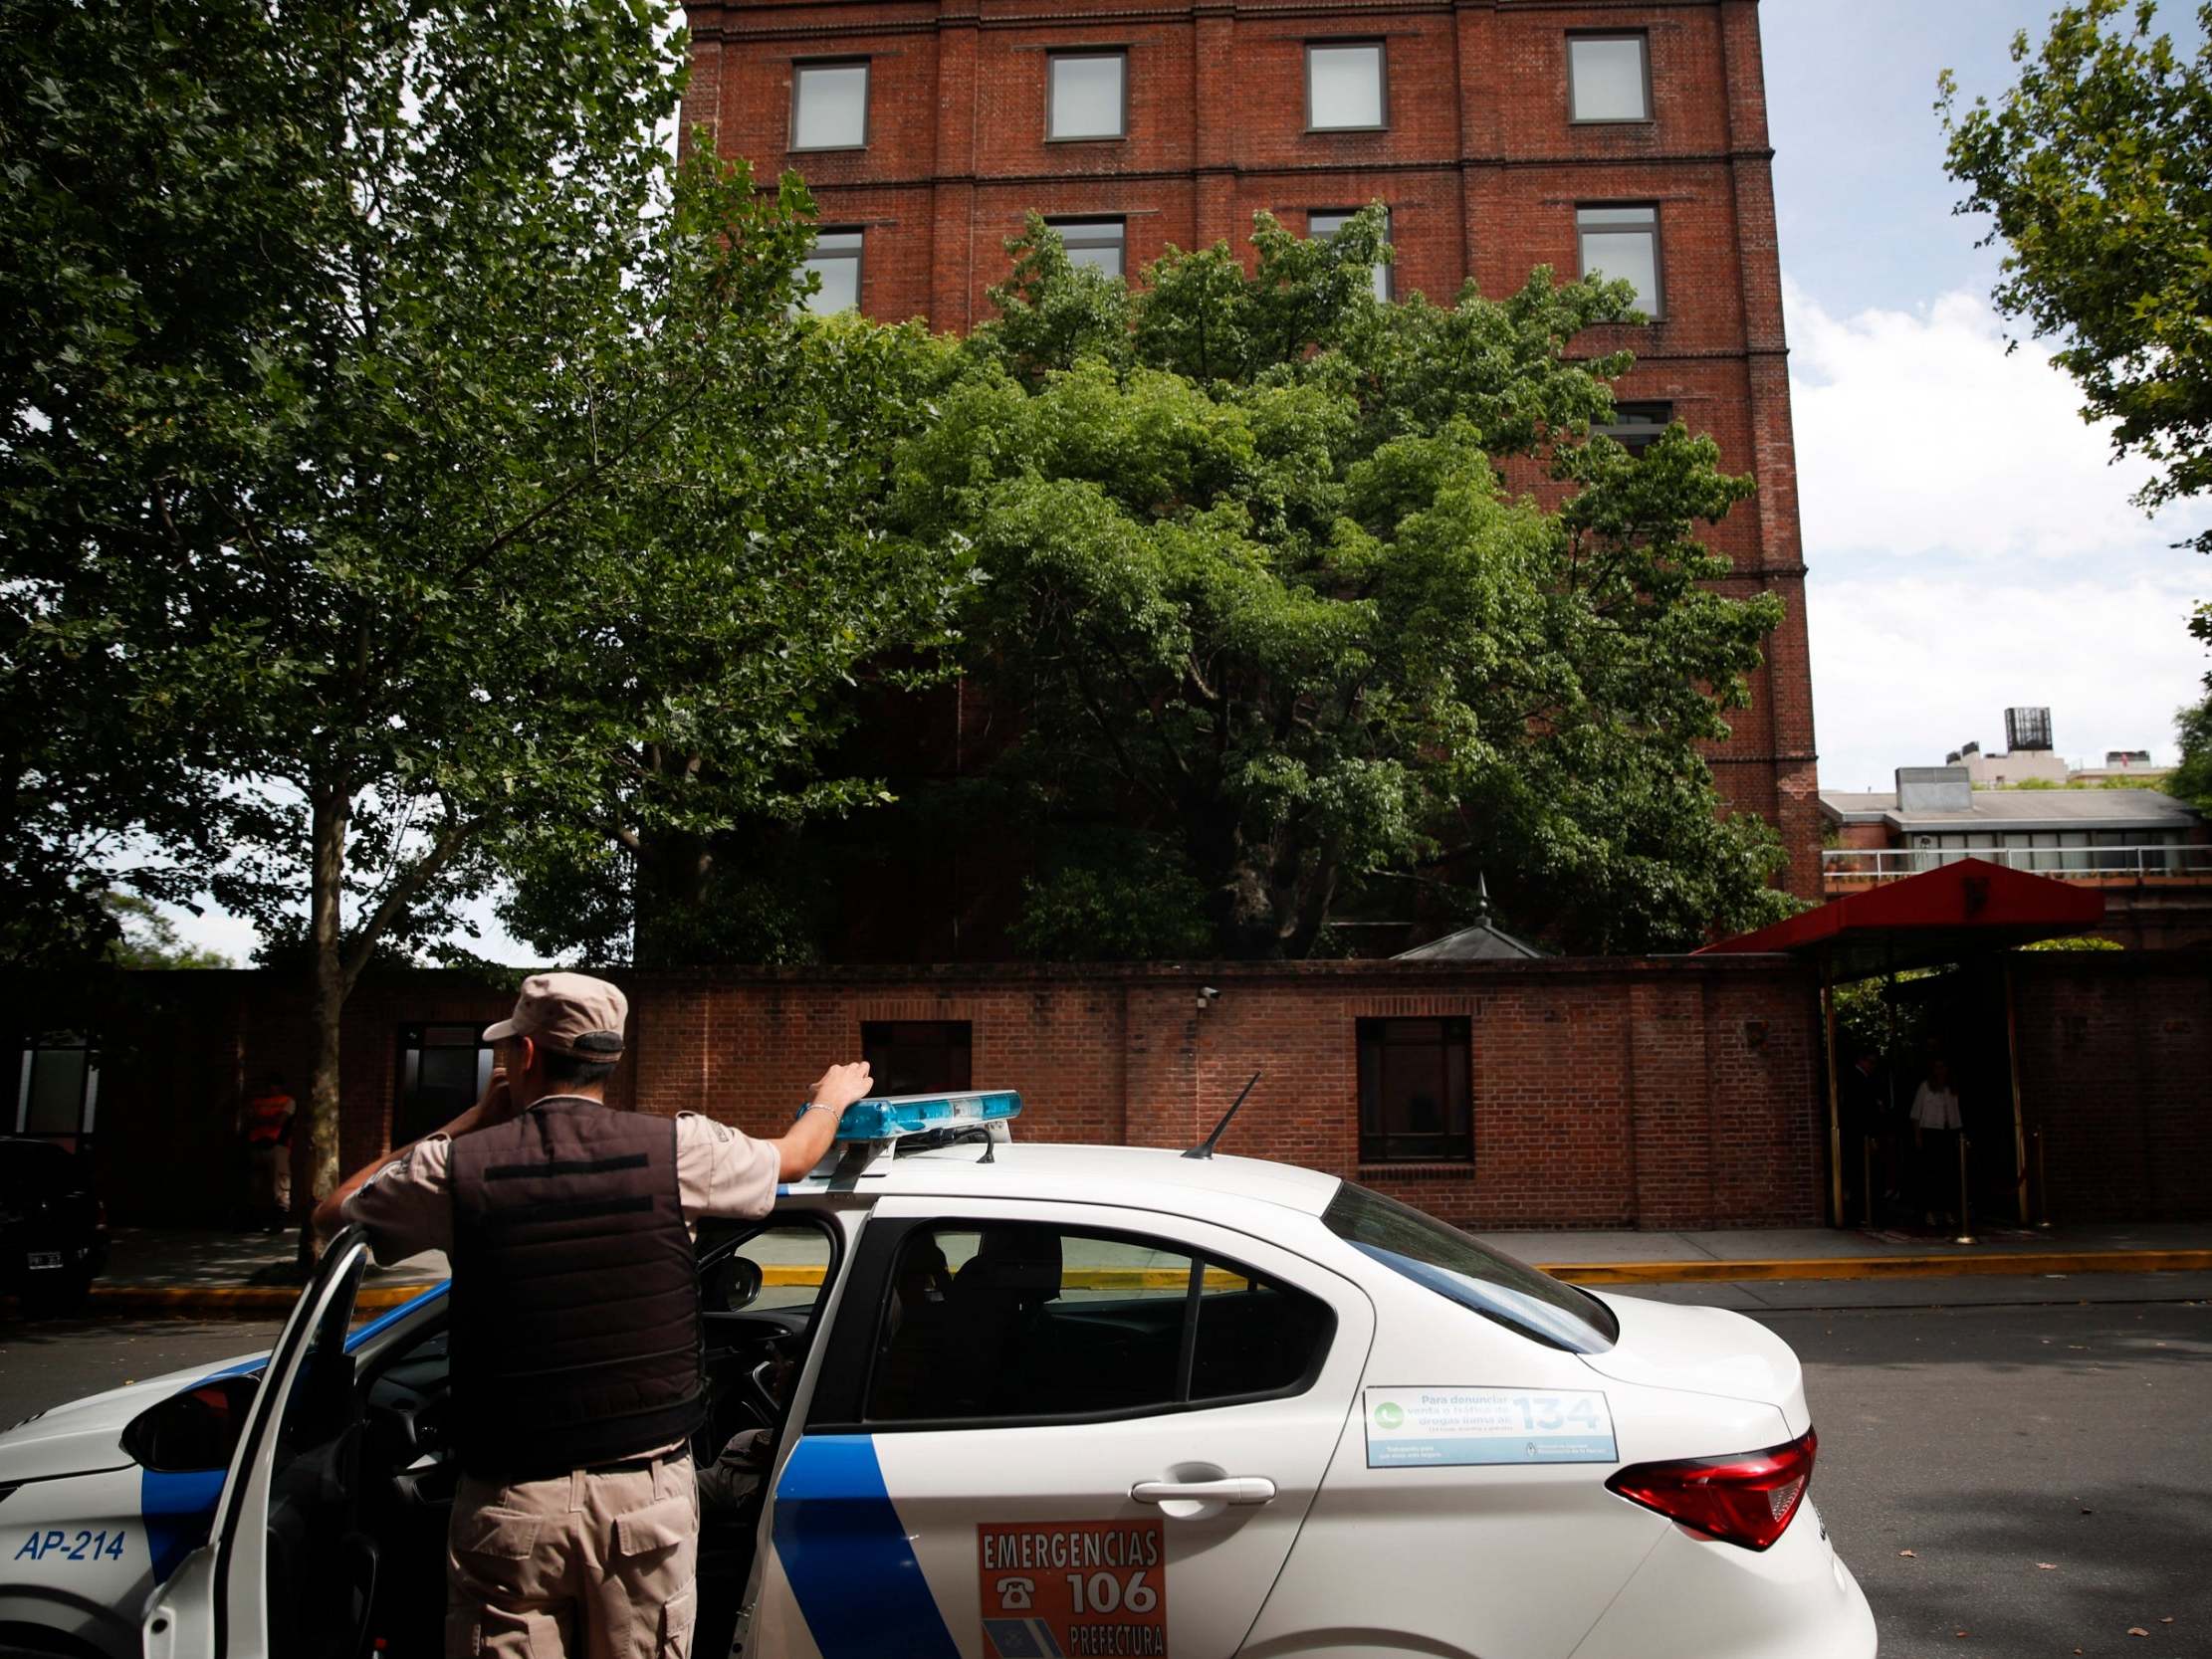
(1488, 1282)
(35, 1169)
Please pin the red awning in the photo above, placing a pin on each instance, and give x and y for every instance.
(1944, 914)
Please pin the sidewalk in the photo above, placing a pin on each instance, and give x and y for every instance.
(164, 1270)
(1749, 1254)
(256, 1274)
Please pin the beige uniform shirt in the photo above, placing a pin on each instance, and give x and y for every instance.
(407, 1206)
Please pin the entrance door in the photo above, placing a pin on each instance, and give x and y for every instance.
(286, 1569)
(1048, 1430)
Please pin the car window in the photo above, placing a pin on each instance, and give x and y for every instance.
(1456, 1267)
(1027, 1322)
(793, 1258)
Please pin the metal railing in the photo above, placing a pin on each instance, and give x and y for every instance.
(2085, 863)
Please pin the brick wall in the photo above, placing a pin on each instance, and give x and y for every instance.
(2115, 1068)
(1479, 164)
(1660, 1092)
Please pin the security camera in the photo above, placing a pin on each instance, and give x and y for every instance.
(1207, 995)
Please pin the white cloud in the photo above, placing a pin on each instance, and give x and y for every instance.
(1917, 434)
(1972, 548)
(1906, 667)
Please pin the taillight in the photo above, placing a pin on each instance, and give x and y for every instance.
(1746, 1500)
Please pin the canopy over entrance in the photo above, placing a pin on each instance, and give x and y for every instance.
(1958, 911)
(1946, 914)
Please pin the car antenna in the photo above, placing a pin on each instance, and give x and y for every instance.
(1205, 1148)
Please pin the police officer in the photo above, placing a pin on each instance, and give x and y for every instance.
(574, 1334)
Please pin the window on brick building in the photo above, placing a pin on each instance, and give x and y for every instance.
(1086, 95)
(837, 261)
(56, 1085)
(1344, 87)
(1328, 221)
(443, 1071)
(1608, 77)
(919, 1057)
(1622, 244)
(1636, 427)
(830, 106)
(1414, 1100)
(1099, 244)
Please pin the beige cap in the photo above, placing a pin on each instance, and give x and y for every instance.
(555, 1010)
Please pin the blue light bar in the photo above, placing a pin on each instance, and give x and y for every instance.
(893, 1116)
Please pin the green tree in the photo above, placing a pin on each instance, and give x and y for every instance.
(2192, 779)
(1251, 576)
(148, 938)
(365, 378)
(2097, 167)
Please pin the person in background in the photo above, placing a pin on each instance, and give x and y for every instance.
(1935, 1129)
(265, 1125)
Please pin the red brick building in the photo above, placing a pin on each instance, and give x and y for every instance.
(1501, 135)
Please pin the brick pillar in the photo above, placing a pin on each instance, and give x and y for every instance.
(1786, 705)
(1474, 45)
(702, 105)
(1214, 138)
(956, 283)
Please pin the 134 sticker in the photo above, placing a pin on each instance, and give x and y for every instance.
(1064, 1590)
(1440, 1428)
(71, 1547)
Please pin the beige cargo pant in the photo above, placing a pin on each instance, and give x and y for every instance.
(272, 1169)
(585, 1566)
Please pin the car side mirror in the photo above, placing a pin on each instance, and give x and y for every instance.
(740, 1283)
(195, 1430)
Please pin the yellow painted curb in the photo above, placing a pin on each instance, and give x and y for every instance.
(238, 1299)
(2023, 1263)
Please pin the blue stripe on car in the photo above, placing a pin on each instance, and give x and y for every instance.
(178, 1510)
(849, 1559)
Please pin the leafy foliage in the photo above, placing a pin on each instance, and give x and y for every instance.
(2097, 168)
(148, 938)
(374, 454)
(2192, 779)
(1251, 574)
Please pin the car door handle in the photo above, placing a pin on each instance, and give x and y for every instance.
(1230, 1489)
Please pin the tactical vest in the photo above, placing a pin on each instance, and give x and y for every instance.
(574, 1332)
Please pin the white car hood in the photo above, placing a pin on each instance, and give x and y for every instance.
(1703, 1350)
(86, 1434)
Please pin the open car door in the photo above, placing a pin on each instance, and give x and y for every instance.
(286, 1572)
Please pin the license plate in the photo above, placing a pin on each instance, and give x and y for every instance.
(45, 1258)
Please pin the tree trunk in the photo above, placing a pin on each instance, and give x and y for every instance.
(331, 809)
(669, 894)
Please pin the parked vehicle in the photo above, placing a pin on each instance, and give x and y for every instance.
(1026, 1403)
(52, 1229)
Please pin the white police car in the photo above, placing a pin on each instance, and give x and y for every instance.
(1023, 1402)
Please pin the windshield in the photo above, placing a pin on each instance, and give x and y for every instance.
(1456, 1267)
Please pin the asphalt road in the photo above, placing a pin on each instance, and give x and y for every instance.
(2049, 1469)
(1987, 1440)
(45, 1362)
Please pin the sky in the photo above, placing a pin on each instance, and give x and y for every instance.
(1970, 543)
